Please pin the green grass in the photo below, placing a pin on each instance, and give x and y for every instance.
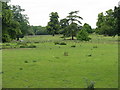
(47, 67)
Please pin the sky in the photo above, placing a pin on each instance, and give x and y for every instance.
(38, 10)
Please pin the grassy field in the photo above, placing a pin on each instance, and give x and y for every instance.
(61, 66)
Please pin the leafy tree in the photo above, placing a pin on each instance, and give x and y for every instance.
(63, 27)
(72, 24)
(53, 24)
(117, 16)
(106, 24)
(22, 19)
(10, 27)
(87, 28)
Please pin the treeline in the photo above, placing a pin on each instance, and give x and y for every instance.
(70, 26)
(108, 23)
(15, 25)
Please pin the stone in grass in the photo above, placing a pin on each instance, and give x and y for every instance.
(65, 53)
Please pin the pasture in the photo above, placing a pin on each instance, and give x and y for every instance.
(61, 66)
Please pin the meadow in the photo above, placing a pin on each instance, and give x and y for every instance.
(51, 65)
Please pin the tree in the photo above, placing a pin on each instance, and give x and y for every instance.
(10, 27)
(117, 16)
(74, 22)
(22, 19)
(87, 28)
(106, 24)
(63, 27)
(53, 24)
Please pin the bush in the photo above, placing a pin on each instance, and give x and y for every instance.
(95, 47)
(36, 42)
(56, 43)
(83, 36)
(62, 43)
(6, 38)
(32, 46)
(73, 46)
(23, 46)
(7, 44)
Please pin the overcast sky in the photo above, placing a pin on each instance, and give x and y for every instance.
(38, 10)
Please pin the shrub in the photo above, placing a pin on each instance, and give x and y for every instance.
(56, 43)
(73, 46)
(95, 47)
(62, 43)
(26, 61)
(7, 44)
(21, 68)
(32, 46)
(89, 55)
(83, 36)
(23, 46)
(34, 61)
(36, 42)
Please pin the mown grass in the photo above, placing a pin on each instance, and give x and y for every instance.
(47, 66)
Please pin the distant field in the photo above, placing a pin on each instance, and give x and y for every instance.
(61, 66)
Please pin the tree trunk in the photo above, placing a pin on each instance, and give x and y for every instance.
(53, 35)
(72, 37)
(17, 38)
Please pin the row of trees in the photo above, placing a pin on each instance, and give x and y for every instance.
(14, 24)
(109, 23)
(69, 26)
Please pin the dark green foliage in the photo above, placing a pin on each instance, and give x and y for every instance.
(32, 46)
(69, 25)
(89, 55)
(91, 85)
(87, 28)
(26, 61)
(14, 24)
(26, 46)
(20, 68)
(60, 43)
(83, 35)
(53, 25)
(95, 47)
(73, 46)
(38, 30)
(36, 42)
(56, 43)
(107, 24)
(23, 46)
(7, 44)
(117, 16)
(34, 61)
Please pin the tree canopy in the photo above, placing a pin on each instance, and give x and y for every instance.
(53, 24)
